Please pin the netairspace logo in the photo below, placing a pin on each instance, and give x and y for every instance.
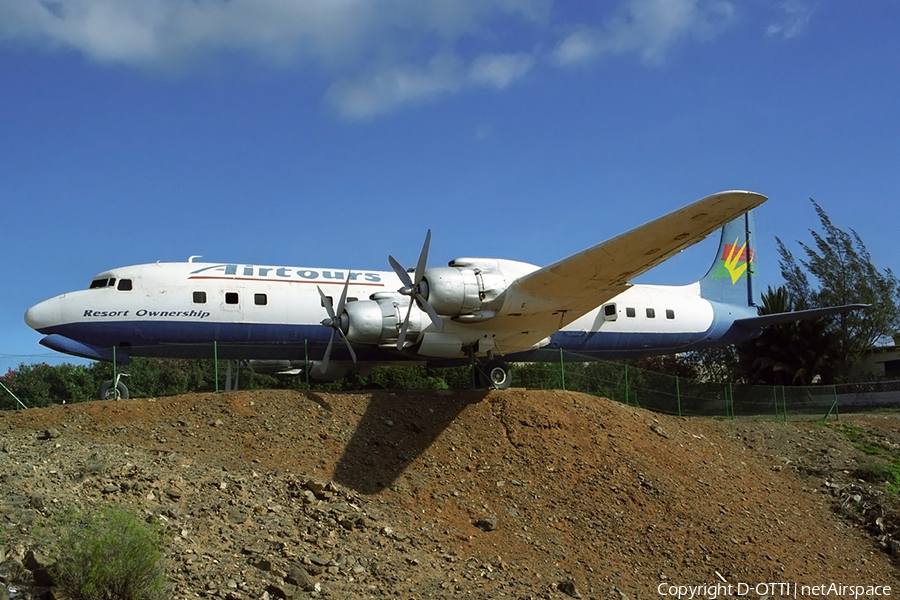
(775, 590)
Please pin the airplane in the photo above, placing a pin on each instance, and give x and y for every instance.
(284, 320)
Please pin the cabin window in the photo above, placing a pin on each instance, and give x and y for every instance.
(199, 297)
(330, 301)
(609, 312)
(260, 299)
(333, 305)
(629, 312)
(651, 313)
(670, 314)
(124, 285)
(231, 298)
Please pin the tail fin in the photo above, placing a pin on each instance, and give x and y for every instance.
(731, 277)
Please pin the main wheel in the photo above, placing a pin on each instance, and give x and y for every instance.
(108, 391)
(494, 374)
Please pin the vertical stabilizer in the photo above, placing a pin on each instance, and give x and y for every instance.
(731, 277)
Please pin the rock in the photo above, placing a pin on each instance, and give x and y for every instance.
(11, 570)
(298, 576)
(488, 523)
(659, 431)
(283, 590)
(39, 565)
(316, 487)
(567, 587)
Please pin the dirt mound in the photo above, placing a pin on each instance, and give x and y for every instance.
(513, 494)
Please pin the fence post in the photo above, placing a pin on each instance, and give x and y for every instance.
(678, 393)
(562, 370)
(834, 405)
(306, 361)
(775, 395)
(9, 391)
(837, 414)
(216, 362)
(731, 397)
(627, 391)
(783, 404)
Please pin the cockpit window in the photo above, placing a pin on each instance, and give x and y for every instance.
(102, 283)
(124, 285)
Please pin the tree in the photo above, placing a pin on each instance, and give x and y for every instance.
(842, 268)
(796, 353)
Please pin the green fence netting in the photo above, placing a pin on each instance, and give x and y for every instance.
(618, 381)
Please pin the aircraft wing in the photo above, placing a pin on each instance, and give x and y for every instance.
(573, 286)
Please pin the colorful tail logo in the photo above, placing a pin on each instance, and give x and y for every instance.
(734, 262)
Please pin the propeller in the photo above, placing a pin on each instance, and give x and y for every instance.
(334, 321)
(414, 288)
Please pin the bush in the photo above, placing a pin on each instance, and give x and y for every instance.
(106, 555)
(42, 384)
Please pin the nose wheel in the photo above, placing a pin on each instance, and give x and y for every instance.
(112, 390)
(493, 374)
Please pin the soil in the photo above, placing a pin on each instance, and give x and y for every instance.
(477, 494)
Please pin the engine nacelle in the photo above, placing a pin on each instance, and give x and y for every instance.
(471, 289)
(378, 321)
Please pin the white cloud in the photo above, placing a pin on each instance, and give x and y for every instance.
(385, 89)
(648, 28)
(380, 54)
(500, 70)
(794, 21)
(157, 33)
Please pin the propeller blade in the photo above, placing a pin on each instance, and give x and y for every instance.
(343, 300)
(413, 289)
(423, 258)
(323, 366)
(349, 347)
(432, 314)
(334, 321)
(402, 337)
(400, 271)
(326, 302)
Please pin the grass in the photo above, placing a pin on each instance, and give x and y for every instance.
(877, 472)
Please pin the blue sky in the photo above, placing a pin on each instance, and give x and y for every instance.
(336, 132)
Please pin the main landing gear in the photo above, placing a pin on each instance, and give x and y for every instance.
(492, 374)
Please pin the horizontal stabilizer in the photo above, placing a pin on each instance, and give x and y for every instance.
(797, 315)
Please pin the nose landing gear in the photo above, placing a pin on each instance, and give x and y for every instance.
(113, 389)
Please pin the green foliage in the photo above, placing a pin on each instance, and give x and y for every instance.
(880, 473)
(842, 268)
(108, 555)
(154, 377)
(874, 472)
(796, 353)
(41, 384)
(406, 378)
(715, 365)
(537, 376)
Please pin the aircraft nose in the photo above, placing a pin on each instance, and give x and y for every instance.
(43, 314)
